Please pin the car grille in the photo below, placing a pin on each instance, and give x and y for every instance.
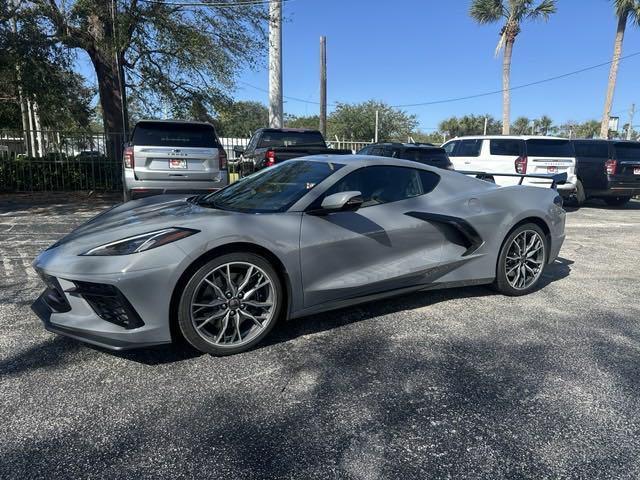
(108, 303)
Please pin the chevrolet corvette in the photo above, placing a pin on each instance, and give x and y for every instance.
(303, 237)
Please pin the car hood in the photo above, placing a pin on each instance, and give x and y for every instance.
(137, 217)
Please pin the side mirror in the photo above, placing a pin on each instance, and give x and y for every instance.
(342, 202)
(238, 150)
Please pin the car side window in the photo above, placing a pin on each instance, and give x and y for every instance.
(450, 147)
(377, 151)
(385, 184)
(513, 148)
(468, 148)
(365, 151)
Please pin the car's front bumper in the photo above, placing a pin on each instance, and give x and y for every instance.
(105, 340)
(145, 289)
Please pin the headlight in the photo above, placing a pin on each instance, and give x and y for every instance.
(141, 243)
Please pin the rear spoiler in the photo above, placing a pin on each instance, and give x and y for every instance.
(555, 178)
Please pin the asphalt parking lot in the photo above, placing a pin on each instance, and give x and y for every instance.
(451, 384)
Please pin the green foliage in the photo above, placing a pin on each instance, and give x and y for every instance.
(30, 59)
(469, 125)
(311, 122)
(521, 126)
(241, 119)
(59, 173)
(631, 8)
(357, 121)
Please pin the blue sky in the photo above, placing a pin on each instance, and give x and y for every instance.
(410, 51)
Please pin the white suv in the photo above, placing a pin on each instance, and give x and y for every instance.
(515, 154)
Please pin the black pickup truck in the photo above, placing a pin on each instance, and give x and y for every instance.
(269, 146)
(607, 169)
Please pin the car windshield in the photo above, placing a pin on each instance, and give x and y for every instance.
(274, 189)
(291, 139)
(427, 156)
(549, 148)
(168, 134)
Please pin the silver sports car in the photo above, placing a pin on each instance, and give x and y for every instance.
(302, 237)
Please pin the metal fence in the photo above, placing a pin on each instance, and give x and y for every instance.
(56, 160)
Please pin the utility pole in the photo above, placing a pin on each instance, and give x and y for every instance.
(632, 112)
(377, 122)
(486, 120)
(275, 64)
(323, 85)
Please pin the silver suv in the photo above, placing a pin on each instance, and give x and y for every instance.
(169, 156)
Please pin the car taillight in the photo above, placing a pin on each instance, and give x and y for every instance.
(610, 167)
(269, 158)
(127, 157)
(521, 165)
(222, 159)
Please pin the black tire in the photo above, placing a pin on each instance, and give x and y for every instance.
(185, 324)
(616, 201)
(580, 195)
(501, 283)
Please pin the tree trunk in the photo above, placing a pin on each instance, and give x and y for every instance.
(506, 81)
(113, 115)
(613, 74)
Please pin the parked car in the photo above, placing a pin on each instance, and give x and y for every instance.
(516, 154)
(302, 237)
(424, 153)
(269, 146)
(607, 169)
(171, 156)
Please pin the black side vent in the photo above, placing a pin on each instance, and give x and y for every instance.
(108, 303)
(455, 229)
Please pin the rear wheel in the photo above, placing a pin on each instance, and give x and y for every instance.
(230, 304)
(617, 201)
(522, 260)
(579, 195)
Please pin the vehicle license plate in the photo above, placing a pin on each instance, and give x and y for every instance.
(552, 169)
(178, 163)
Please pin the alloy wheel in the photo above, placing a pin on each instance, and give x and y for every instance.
(233, 304)
(525, 259)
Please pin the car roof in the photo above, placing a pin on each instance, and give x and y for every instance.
(365, 161)
(508, 137)
(406, 145)
(297, 130)
(156, 120)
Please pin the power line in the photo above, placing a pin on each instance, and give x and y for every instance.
(242, 3)
(468, 97)
(538, 82)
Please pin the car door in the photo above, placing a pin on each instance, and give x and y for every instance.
(466, 153)
(376, 248)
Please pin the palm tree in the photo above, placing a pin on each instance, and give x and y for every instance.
(513, 13)
(625, 10)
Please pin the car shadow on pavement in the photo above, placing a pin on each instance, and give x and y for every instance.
(57, 351)
(286, 331)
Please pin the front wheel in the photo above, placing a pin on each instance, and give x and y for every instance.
(617, 201)
(522, 260)
(230, 304)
